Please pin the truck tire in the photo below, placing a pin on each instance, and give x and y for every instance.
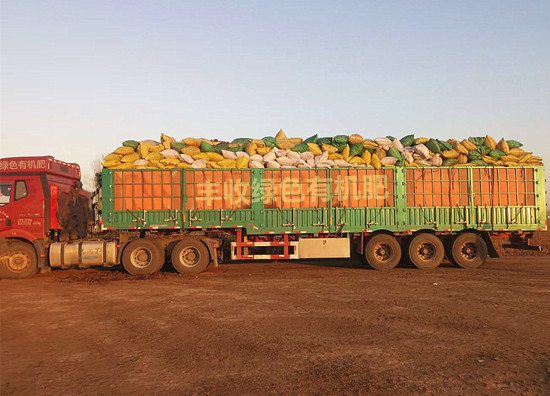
(21, 262)
(467, 250)
(142, 257)
(426, 251)
(383, 252)
(190, 256)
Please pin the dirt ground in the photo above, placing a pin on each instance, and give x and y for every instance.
(280, 328)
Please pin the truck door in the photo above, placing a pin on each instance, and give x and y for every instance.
(22, 204)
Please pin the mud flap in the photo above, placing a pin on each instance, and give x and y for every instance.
(490, 246)
(212, 244)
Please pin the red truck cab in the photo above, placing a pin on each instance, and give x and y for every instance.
(41, 201)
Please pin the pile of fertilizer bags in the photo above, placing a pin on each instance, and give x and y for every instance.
(326, 152)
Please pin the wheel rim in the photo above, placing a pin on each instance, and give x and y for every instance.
(19, 261)
(426, 251)
(190, 256)
(383, 252)
(141, 257)
(469, 251)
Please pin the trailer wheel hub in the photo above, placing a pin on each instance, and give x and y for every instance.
(383, 252)
(469, 251)
(426, 251)
(18, 261)
(190, 256)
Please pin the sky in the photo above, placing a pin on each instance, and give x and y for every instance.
(80, 77)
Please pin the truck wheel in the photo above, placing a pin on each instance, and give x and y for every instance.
(190, 256)
(142, 257)
(21, 262)
(426, 251)
(383, 252)
(468, 251)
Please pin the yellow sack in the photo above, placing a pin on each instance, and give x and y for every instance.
(214, 157)
(110, 164)
(450, 154)
(123, 150)
(130, 158)
(201, 156)
(154, 156)
(375, 161)
(366, 157)
(345, 152)
(335, 156)
(125, 166)
(263, 150)
(503, 146)
(355, 138)
(490, 142)
(112, 157)
(227, 163)
(380, 153)
(460, 148)
(356, 160)
(517, 152)
(166, 140)
(192, 142)
(489, 159)
(296, 141)
(159, 147)
(286, 144)
(259, 143)
(525, 158)
(280, 136)
(251, 148)
(452, 142)
(191, 150)
(469, 145)
(212, 164)
(370, 144)
(241, 162)
(462, 159)
(170, 161)
(329, 148)
(509, 158)
(184, 165)
(314, 148)
(421, 140)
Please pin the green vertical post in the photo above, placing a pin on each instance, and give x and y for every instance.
(257, 196)
(400, 198)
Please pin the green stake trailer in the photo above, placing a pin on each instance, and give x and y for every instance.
(421, 214)
(199, 217)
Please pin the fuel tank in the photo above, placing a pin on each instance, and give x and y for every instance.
(83, 254)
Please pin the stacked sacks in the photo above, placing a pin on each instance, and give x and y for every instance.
(339, 151)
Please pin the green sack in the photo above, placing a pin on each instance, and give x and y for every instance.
(241, 140)
(133, 144)
(324, 140)
(356, 149)
(206, 147)
(433, 145)
(407, 140)
(514, 144)
(393, 152)
(311, 139)
(484, 150)
(232, 147)
(340, 139)
(496, 154)
(473, 156)
(400, 163)
(339, 146)
(478, 141)
(392, 138)
(449, 162)
(300, 148)
(444, 145)
(177, 146)
(270, 141)
(479, 162)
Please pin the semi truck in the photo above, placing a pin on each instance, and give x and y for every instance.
(197, 218)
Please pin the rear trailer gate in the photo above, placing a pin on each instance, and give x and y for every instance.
(326, 202)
